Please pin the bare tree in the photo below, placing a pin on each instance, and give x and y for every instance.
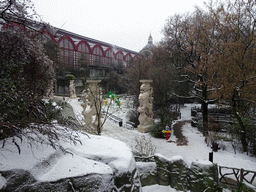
(99, 106)
(191, 40)
(137, 70)
(234, 64)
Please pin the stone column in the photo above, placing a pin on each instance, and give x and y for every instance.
(72, 89)
(146, 106)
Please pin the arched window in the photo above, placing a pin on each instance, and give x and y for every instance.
(120, 58)
(66, 53)
(97, 55)
(83, 54)
(109, 56)
(128, 59)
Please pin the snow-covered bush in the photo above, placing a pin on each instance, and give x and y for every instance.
(143, 146)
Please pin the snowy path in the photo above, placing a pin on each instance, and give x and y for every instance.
(196, 148)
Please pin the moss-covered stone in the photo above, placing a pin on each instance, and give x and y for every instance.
(128, 181)
(179, 174)
(203, 175)
(163, 170)
(147, 172)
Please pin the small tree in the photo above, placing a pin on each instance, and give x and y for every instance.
(98, 104)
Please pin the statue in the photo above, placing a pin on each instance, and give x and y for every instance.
(146, 106)
(92, 106)
(49, 91)
(72, 89)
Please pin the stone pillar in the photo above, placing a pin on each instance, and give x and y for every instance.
(92, 105)
(146, 106)
(72, 89)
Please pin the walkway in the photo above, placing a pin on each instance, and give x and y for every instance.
(177, 131)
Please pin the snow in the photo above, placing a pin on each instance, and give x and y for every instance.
(195, 151)
(73, 166)
(145, 166)
(202, 163)
(114, 149)
(159, 188)
(113, 152)
(97, 154)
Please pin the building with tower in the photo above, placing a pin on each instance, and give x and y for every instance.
(147, 50)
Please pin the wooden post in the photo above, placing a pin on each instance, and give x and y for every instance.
(211, 157)
(241, 175)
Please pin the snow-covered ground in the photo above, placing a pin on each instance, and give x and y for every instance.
(97, 154)
(104, 147)
(196, 148)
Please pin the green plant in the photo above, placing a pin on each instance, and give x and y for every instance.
(70, 77)
(156, 130)
(212, 186)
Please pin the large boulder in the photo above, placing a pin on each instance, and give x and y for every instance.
(99, 164)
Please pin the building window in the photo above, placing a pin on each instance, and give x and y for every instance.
(109, 57)
(83, 55)
(120, 58)
(66, 53)
(97, 56)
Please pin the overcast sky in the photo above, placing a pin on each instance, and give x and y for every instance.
(123, 23)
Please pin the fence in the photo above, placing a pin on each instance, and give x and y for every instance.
(220, 117)
(115, 119)
(234, 177)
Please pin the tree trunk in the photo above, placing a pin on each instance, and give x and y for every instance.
(204, 108)
(242, 131)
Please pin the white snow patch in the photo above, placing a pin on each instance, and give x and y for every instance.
(145, 166)
(73, 166)
(161, 157)
(202, 163)
(98, 154)
(176, 158)
(159, 188)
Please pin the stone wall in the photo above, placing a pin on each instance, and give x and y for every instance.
(174, 172)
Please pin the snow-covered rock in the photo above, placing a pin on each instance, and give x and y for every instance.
(147, 172)
(203, 174)
(99, 163)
